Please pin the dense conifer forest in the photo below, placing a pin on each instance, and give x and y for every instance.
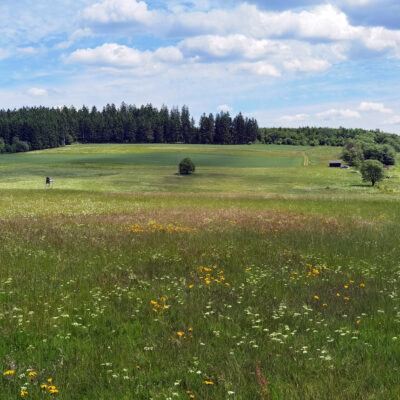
(41, 127)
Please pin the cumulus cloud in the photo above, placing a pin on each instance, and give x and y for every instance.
(379, 107)
(37, 91)
(225, 108)
(112, 11)
(338, 113)
(120, 56)
(222, 32)
(294, 118)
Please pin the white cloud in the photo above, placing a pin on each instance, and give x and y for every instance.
(37, 91)
(119, 56)
(112, 11)
(260, 68)
(27, 50)
(76, 35)
(293, 118)
(338, 113)
(379, 107)
(3, 54)
(225, 108)
(310, 65)
(394, 120)
(324, 22)
(231, 45)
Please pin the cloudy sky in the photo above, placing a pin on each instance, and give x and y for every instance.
(287, 63)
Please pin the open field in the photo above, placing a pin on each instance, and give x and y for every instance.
(278, 279)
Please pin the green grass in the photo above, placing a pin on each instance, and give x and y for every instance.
(82, 268)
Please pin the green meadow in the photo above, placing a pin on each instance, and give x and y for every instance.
(264, 275)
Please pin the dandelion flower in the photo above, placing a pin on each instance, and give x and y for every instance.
(316, 297)
(338, 294)
(23, 393)
(209, 382)
(324, 305)
(362, 284)
(358, 322)
(347, 298)
(32, 374)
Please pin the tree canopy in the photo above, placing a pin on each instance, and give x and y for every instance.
(40, 127)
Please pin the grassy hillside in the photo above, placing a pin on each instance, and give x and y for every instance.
(227, 169)
(126, 281)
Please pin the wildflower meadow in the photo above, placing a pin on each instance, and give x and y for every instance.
(279, 283)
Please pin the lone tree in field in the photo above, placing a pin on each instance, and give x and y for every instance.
(186, 167)
(372, 171)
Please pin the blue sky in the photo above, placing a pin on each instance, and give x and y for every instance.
(287, 63)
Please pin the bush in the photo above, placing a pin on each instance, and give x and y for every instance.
(186, 167)
(372, 171)
(21, 146)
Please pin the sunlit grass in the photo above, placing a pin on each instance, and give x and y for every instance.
(201, 288)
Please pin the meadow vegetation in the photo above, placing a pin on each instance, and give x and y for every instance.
(279, 280)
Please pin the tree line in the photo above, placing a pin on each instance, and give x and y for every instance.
(314, 136)
(38, 128)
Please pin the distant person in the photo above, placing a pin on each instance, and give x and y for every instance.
(49, 181)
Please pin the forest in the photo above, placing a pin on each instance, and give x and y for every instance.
(320, 136)
(38, 128)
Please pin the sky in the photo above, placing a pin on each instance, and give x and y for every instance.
(287, 63)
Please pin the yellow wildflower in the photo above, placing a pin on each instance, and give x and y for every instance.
(362, 284)
(358, 322)
(324, 305)
(50, 380)
(347, 298)
(180, 334)
(9, 372)
(209, 382)
(32, 374)
(23, 393)
(44, 386)
(338, 294)
(316, 297)
(53, 391)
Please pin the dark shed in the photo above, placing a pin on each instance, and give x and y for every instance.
(335, 164)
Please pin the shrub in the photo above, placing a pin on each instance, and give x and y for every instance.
(186, 167)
